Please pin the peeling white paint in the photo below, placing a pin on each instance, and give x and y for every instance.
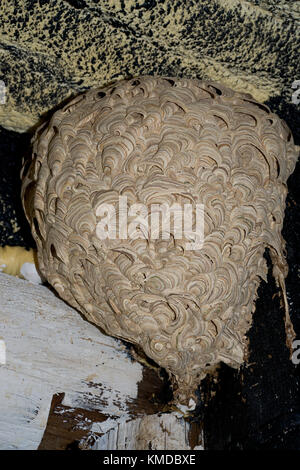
(155, 432)
(51, 349)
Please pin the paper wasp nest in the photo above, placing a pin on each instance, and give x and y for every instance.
(163, 140)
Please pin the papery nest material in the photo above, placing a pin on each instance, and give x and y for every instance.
(164, 140)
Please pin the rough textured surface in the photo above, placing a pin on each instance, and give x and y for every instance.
(52, 49)
(153, 432)
(163, 141)
(93, 370)
(256, 407)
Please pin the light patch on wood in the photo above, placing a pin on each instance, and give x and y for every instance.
(152, 432)
(51, 349)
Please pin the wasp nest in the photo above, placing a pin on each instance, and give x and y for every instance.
(163, 140)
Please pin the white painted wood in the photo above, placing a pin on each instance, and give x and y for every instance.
(152, 432)
(51, 349)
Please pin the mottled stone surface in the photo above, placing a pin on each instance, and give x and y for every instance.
(52, 49)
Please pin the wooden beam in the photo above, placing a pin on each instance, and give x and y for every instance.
(65, 384)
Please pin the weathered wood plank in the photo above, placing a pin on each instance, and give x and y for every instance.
(152, 432)
(50, 349)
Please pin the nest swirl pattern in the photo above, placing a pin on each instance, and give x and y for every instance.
(163, 140)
